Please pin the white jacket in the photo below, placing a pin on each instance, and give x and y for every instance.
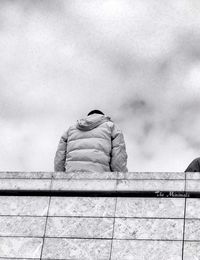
(94, 144)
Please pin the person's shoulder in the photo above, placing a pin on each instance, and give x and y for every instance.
(71, 129)
(68, 129)
(116, 127)
(110, 123)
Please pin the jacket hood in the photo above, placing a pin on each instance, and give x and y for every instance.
(92, 121)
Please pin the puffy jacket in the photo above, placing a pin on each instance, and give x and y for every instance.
(94, 144)
(194, 166)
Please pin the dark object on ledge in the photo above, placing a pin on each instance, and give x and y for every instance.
(194, 166)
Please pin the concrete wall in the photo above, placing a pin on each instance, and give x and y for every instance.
(140, 216)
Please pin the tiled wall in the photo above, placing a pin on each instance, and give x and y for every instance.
(99, 228)
(106, 228)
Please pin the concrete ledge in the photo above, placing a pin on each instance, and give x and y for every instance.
(99, 176)
(111, 182)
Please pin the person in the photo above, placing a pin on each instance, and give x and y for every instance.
(194, 166)
(93, 144)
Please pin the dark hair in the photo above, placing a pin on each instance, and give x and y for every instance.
(95, 112)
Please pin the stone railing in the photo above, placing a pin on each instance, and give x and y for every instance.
(107, 216)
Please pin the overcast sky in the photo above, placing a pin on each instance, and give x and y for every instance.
(138, 61)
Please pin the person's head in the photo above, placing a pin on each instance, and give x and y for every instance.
(95, 112)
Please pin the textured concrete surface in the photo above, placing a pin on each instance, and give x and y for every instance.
(159, 229)
(16, 205)
(79, 227)
(191, 250)
(193, 208)
(150, 207)
(146, 250)
(22, 226)
(83, 185)
(25, 184)
(106, 228)
(82, 206)
(193, 185)
(63, 248)
(144, 185)
(20, 247)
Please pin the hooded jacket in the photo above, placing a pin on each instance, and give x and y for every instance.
(94, 144)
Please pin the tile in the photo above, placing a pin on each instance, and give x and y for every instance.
(26, 175)
(79, 227)
(151, 175)
(193, 208)
(192, 229)
(84, 249)
(82, 206)
(192, 185)
(192, 175)
(22, 205)
(146, 250)
(150, 207)
(25, 184)
(20, 247)
(151, 185)
(129, 228)
(85, 175)
(91, 185)
(22, 226)
(191, 251)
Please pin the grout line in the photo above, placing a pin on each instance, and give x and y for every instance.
(28, 178)
(183, 230)
(96, 217)
(111, 246)
(103, 238)
(95, 179)
(17, 258)
(45, 229)
(193, 241)
(46, 220)
(184, 223)
(185, 182)
(9, 258)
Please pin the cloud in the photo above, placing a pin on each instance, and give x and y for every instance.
(138, 61)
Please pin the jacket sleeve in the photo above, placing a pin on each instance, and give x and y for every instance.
(60, 157)
(118, 154)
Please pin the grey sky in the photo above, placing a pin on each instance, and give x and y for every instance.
(137, 60)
